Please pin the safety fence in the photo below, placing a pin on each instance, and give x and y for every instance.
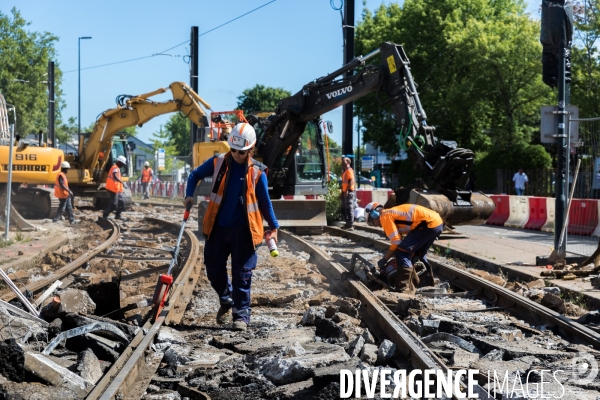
(160, 189)
(537, 213)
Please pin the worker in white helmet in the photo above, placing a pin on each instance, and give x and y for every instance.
(147, 177)
(63, 194)
(115, 187)
(233, 222)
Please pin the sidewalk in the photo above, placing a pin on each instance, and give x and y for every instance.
(22, 254)
(490, 248)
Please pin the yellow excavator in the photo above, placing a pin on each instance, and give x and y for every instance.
(97, 151)
(33, 164)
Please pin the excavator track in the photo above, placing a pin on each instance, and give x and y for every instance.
(35, 202)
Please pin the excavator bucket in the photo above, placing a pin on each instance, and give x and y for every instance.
(475, 212)
(301, 216)
(306, 216)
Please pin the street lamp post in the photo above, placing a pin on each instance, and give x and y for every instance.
(79, 83)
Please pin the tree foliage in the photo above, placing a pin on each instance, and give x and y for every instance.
(178, 127)
(261, 98)
(24, 57)
(585, 84)
(477, 64)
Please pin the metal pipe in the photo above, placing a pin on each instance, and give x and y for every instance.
(51, 108)
(9, 180)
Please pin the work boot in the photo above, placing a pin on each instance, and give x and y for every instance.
(407, 280)
(75, 221)
(239, 325)
(223, 315)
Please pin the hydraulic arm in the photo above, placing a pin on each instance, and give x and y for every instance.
(444, 161)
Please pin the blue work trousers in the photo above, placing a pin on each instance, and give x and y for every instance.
(417, 242)
(236, 242)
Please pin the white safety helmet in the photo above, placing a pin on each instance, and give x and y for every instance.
(122, 159)
(372, 211)
(242, 137)
(65, 164)
(146, 164)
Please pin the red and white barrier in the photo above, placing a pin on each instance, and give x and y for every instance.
(519, 212)
(549, 225)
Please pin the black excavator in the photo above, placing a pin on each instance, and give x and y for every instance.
(280, 135)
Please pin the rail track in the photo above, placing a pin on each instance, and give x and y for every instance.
(472, 319)
(144, 242)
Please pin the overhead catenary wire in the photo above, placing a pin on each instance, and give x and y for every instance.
(177, 45)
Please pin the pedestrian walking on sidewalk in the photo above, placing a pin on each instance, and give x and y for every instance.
(520, 179)
(147, 176)
(348, 193)
(421, 227)
(233, 222)
(63, 194)
(116, 187)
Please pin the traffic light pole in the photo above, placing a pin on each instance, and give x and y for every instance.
(562, 154)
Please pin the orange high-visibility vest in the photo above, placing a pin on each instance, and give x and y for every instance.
(348, 175)
(59, 192)
(111, 184)
(220, 176)
(146, 175)
(404, 218)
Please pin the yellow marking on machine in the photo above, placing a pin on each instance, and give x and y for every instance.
(392, 64)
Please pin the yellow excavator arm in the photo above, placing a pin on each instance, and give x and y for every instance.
(137, 110)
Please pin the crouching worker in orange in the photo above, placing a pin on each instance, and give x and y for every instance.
(421, 227)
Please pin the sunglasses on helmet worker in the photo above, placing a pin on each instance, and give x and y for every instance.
(240, 152)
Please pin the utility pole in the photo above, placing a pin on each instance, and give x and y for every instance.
(556, 37)
(193, 81)
(347, 111)
(51, 113)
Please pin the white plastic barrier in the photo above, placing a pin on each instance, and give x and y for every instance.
(519, 211)
(549, 225)
(380, 195)
(597, 230)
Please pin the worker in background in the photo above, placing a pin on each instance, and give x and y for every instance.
(116, 187)
(421, 227)
(233, 223)
(63, 194)
(147, 176)
(348, 194)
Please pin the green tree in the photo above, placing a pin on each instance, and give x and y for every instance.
(178, 128)
(261, 98)
(163, 140)
(477, 64)
(585, 84)
(24, 57)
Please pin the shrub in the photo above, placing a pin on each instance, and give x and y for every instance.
(333, 202)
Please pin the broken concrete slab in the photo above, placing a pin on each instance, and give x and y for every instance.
(349, 306)
(198, 356)
(169, 335)
(385, 351)
(284, 370)
(20, 329)
(294, 350)
(286, 297)
(76, 301)
(368, 337)
(311, 314)
(538, 283)
(506, 333)
(328, 329)
(277, 339)
(48, 371)
(331, 311)
(162, 395)
(355, 346)
(89, 366)
(12, 365)
(446, 337)
(462, 358)
(553, 302)
(369, 354)
(323, 376)
(321, 298)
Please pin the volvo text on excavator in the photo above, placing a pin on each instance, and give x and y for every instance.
(296, 121)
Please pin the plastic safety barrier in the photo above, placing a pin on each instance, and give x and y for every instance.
(597, 230)
(583, 217)
(519, 211)
(549, 225)
(378, 195)
(364, 197)
(502, 211)
(537, 213)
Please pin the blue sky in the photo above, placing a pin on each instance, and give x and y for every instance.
(285, 44)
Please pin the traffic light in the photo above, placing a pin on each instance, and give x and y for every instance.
(556, 34)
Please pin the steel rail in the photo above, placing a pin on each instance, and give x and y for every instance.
(407, 341)
(71, 267)
(503, 296)
(124, 374)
